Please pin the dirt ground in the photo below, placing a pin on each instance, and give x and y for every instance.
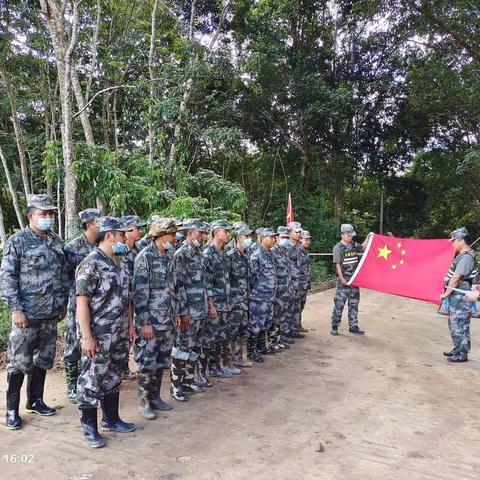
(386, 405)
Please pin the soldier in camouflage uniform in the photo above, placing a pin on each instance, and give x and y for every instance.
(295, 230)
(305, 267)
(180, 235)
(460, 275)
(103, 313)
(144, 241)
(34, 285)
(233, 242)
(134, 236)
(346, 255)
(154, 305)
(281, 325)
(263, 289)
(237, 321)
(218, 288)
(75, 252)
(192, 309)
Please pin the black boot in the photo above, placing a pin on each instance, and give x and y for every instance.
(71, 376)
(35, 387)
(156, 402)
(111, 421)
(252, 351)
(14, 385)
(88, 420)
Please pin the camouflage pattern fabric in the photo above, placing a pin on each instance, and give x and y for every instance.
(282, 297)
(213, 330)
(130, 256)
(305, 267)
(239, 270)
(459, 315)
(154, 354)
(237, 323)
(217, 277)
(344, 293)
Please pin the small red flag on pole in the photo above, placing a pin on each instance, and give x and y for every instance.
(290, 217)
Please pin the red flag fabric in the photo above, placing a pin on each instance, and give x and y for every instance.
(406, 267)
(290, 216)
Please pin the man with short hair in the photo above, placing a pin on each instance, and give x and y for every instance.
(104, 314)
(460, 275)
(346, 255)
(154, 303)
(305, 280)
(34, 285)
(75, 252)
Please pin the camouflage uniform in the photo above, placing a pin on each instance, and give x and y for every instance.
(154, 303)
(295, 306)
(305, 282)
(282, 298)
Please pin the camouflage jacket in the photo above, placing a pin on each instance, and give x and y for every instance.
(75, 252)
(142, 243)
(154, 289)
(263, 276)
(130, 256)
(281, 258)
(190, 290)
(294, 265)
(107, 284)
(33, 275)
(217, 277)
(305, 265)
(239, 273)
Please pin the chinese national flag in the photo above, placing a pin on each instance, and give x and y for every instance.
(406, 267)
(290, 217)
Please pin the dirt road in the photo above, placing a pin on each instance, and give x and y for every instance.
(386, 405)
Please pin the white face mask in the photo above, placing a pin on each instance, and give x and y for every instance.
(167, 245)
(45, 223)
(120, 248)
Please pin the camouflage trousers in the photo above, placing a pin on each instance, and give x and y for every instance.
(73, 350)
(214, 330)
(32, 346)
(186, 341)
(344, 293)
(459, 315)
(152, 355)
(294, 310)
(237, 324)
(281, 315)
(260, 316)
(103, 373)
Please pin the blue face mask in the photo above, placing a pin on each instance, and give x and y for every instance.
(285, 242)
(247, 242)
(120, 248)
(196, 243)
(179, 236)
(167, 246)
(45, 224)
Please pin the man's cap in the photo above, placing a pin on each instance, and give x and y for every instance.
(259, 232)
(162, 226)
(239, 223)
(179, 223)
(196, 224)
(459, 233)
(89, 214)
(306, 234)
(132, 221)
(283, 231)
(220, 223)
(269, 232)
(242, 230)
(111, 224)
(347, 229)
(294, 226)
(153, 218)
(42, 201)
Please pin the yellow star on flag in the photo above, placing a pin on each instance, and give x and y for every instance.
(399, 245)
(404, 252)
(402, 261)
(394, 267)
(384, 252)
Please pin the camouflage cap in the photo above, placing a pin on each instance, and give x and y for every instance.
(111, 224)
(238, 224)
(220, 223)
(347, 229)
(162, 226)
(459, 233)
(269, 232)
(153, 218)
(242, 230)
(179, 223)
(132, 221)
(42, 201)
(283, 231)
(89, 214)
(259, 232)
(294, 226)
(306, 234)
(196, 224)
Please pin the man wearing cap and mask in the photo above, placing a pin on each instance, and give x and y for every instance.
(192, 309)
(460, 275)
(263, 288)
(305, 267)
(279, 332)
(233, 242)
(75, 252)
(144, 241)
(218, 289)
(34, 285)
(180, 235)
(237, 320)
(154, 304)
(346, 255)
(104, 313)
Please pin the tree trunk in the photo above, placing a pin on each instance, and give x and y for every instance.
(3, 235)
(18, 132)
(151, 133)
(339, 194)
(84, 117)
(12, 190)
